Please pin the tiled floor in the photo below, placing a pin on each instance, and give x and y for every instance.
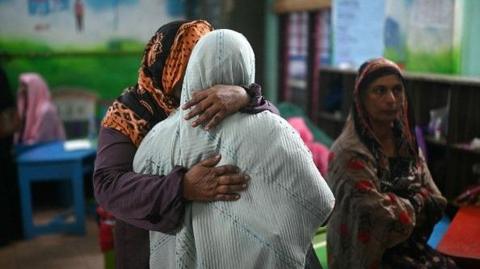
(55, 252)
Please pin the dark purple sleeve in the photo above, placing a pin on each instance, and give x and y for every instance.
(147, 201)
(258, 103)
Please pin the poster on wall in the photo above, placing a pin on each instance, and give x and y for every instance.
(82, 24)
(397, 19)
(430, 39)
(358, 27)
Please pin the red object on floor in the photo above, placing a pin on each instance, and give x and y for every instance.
(462, 238)
(107, 221)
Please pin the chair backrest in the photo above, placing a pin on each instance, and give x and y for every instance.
(77, 109)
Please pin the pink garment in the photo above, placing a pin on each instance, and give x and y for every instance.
(319, 152)
(37, 112)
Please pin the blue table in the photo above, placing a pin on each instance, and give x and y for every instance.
(51, 162)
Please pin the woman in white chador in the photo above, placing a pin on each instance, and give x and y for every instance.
(273, 223)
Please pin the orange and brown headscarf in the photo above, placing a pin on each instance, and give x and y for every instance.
(163, 66)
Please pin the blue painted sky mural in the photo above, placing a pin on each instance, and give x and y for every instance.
(44, 7)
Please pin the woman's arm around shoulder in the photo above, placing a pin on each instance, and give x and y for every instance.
(216, 103)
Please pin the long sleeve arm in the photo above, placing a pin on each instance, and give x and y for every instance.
(428, 202)
(146, 201)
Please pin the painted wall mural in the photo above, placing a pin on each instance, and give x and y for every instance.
(81, 24)
(433, 36)
(357, 31)
(94, 28)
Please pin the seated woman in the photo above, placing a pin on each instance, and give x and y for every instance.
(38, 114)
(287, 200)
(387, 202)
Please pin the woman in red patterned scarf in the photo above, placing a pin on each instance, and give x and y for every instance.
(387, 202)
(150, 202)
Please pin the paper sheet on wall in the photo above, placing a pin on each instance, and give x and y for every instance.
(358, 26)
(430, 37)
(397, 18)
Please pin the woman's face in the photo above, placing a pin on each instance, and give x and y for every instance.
(384, 98)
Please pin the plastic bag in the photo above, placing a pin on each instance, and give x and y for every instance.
(438, 122)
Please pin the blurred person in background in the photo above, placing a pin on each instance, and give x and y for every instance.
(38, 114)
(10, 223)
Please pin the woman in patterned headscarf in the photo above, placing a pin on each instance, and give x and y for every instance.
(387, 202)
(150, 202)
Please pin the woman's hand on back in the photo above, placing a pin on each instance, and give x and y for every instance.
(205, 182)
(214, 104)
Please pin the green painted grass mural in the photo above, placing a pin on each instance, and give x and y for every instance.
(103, 71)
(440, 62)
(394, 55)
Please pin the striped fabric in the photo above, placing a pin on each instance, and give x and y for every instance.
(273, 223)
